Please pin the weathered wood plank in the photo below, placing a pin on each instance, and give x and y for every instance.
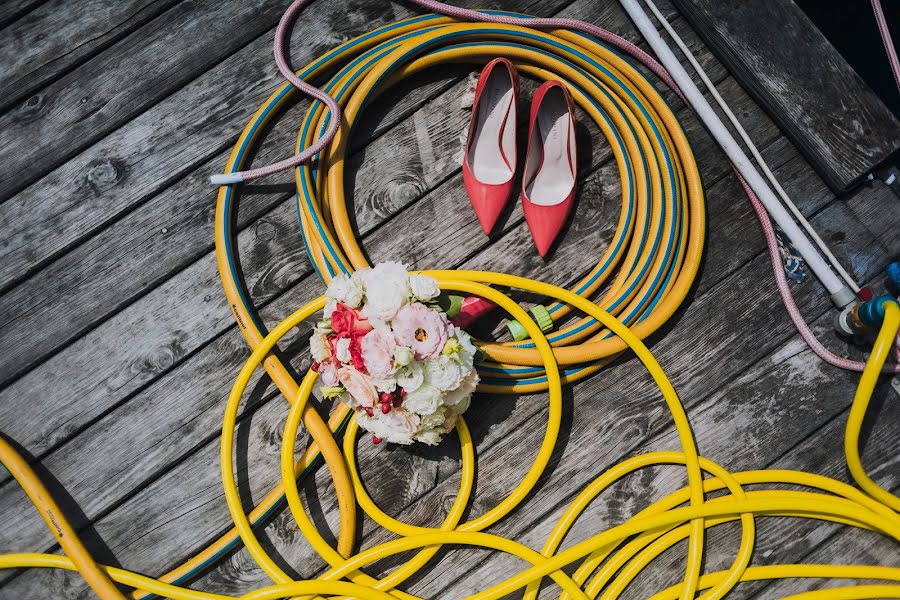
(749, 324)
(80, 107)
(12, 10)
(126, 524)
(817, 99)
(58, 36)
(381, 201)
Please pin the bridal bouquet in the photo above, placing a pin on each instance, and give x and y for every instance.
(386, 349)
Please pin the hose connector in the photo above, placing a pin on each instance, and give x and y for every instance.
(871, 313)
(225, 178)
(540, 316)
(862, 317)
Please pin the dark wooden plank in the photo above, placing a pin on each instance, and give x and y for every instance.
(11, 10)
(807, 87)
(57, 36)
(285, 304)
(126, 524)
(79, 108)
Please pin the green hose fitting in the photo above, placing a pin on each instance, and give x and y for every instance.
(540, 316)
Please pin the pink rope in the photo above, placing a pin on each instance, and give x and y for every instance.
(281, 33)
(888, 42)
(784, 290)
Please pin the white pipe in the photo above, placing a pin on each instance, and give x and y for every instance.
(841, 295)
(754, 152)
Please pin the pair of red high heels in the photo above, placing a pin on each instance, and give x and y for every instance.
(489, 164)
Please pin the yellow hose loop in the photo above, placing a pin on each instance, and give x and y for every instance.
(883, 346)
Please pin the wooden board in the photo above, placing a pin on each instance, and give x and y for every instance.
(143, 335)
(805, 85)
(59, 35)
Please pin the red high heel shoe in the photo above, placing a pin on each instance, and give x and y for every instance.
(548, 185)
(489, 163)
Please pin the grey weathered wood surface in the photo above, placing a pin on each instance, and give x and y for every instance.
(59, 35)
(115, 239)
(807, 87)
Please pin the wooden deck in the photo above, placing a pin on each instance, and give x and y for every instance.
(117, 348)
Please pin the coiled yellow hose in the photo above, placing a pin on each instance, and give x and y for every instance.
(647, 271)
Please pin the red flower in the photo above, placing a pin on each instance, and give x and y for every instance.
(356, 351)
(345, 321)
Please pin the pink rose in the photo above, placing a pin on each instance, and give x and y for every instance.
(421, 328)
(345, 321)
(378, 353)
(359, 386)
(328, 372)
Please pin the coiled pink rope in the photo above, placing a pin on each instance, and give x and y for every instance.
(888, 42)
(597, 32)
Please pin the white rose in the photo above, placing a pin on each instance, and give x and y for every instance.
(384, 384)
(411, 376)
(433, 421)
(424, 401)
(460, 395)
(383, 301)
(397, 426)
(431, 437)
(386, 289)
(345, 289)
(330, 305)
(423, 287)
(403, 355)
(467, 350)
(443, 373)
(319, 347)
(342, 350)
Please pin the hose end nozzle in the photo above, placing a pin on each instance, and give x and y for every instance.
(225, 178)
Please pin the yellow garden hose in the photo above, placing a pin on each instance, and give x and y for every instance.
(883, 345)
(644, 276)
